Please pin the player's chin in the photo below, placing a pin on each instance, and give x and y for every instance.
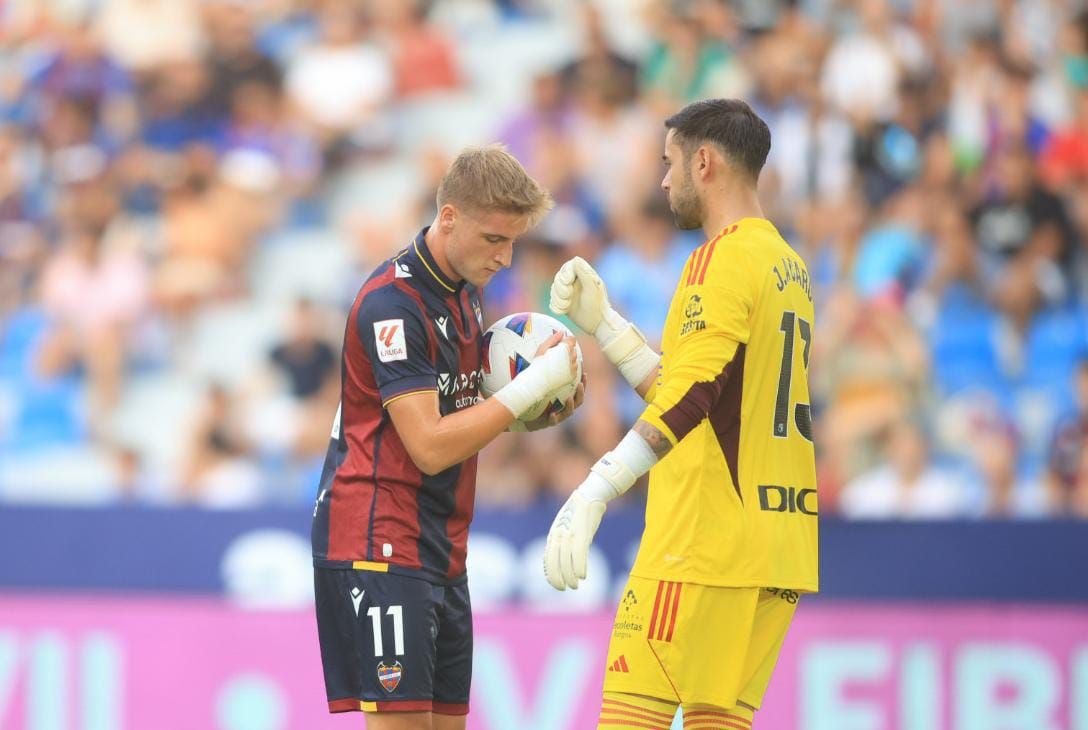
(685, 221)
(482, 277)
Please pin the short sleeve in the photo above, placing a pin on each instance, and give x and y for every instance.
(397, 343)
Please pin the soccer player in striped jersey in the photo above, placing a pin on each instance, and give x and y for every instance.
(390, 526)
(731, 516)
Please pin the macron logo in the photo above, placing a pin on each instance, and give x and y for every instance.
(401, 271)
(389, 337)
(441, 322)
(356, 599)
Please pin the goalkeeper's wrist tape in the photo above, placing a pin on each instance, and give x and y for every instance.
(615, 472)
(625, 347)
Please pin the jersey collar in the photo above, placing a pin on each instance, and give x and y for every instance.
(422, 261)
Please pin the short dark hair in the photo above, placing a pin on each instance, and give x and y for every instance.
(728, 123)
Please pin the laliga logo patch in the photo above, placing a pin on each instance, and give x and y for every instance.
(390, 341)
(389, 675)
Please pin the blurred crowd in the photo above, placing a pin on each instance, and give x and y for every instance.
(191, 192)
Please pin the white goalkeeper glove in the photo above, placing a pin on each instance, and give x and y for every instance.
(579, 293)
(566, 551)
(547, 373)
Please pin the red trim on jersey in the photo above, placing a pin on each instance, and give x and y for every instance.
(675, 609)
(698, 263)
(700, 259)
(657, 603)
(706, 260)
(450, 708)
(665, 615)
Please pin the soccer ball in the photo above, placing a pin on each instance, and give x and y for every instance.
(510, 345)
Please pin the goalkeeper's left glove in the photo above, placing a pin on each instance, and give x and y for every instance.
(567, 549)
(578, 292)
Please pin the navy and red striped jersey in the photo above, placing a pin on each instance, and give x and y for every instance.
(410, 329)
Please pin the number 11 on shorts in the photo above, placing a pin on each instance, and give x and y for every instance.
(375, 614)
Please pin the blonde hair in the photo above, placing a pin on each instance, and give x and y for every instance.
(491, 179)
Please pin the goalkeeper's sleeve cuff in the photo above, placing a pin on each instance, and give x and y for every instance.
(615, 472)
(625, 347)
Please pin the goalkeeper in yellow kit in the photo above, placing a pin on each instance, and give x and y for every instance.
(730, 539)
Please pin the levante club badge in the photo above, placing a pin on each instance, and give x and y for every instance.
(389, 675)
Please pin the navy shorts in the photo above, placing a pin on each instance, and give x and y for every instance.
(393, 643)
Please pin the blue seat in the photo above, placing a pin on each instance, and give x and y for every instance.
(963, 344)
(1055, 342)
(17, 337)
(47, 412)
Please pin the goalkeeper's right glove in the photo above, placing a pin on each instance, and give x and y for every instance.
(566, 552)
(579, 293)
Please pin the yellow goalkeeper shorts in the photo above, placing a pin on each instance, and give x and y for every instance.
(691, 643)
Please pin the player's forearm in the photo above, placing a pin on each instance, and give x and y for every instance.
(458, 436)
(646, 387)
(653, 436)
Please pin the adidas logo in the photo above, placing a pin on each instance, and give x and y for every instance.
(620, 665)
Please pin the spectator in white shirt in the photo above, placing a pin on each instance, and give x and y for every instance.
(907, 485)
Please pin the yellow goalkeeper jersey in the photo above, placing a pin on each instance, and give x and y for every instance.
(734, 502)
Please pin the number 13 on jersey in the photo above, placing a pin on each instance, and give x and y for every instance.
(802, 413)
